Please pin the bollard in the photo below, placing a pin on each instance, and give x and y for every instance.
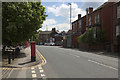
(13, 55)
(17, 51)
(9, 58)
(33, 51)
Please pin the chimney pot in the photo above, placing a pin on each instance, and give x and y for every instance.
(79, 16)
(90, 10)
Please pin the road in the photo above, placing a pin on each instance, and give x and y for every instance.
(69, 63)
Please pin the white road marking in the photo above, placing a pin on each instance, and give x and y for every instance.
(40, 67)
(42, 75)
(41, 71)
(102, 64)
(75, 55)
(33, 71)
(34, 75)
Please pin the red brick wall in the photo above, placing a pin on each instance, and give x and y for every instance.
(113, 27)
(106, 20)
(95, 47)
(74, 41)
(83, 24)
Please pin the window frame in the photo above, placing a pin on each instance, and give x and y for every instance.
(79, 23)
(89, 20)
(118, 12)
(117, 30)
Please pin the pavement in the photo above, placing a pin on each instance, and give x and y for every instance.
(23, 61)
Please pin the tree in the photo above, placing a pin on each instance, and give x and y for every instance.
(21, 20)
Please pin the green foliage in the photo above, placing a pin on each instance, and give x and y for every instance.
(118, 39)
(101, 37)
(81, 39)
(21, 20)
(88, 37)
(35, 37)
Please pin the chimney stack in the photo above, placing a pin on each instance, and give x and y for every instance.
(79, 16)
(90, 10)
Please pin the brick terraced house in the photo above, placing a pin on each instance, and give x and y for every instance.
(115, 26)
(106, 17)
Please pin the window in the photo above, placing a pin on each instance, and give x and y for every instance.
(87, 20)
(97, 18)
(90, 20)
(79, 23)
(118, 12)
(117, 30)
(76, 27)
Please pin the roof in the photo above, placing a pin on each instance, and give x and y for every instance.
(104, 4)
(45, 32)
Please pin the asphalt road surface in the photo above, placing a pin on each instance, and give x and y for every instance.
(70, 63)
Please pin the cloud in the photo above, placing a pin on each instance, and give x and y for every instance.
(64, 10)
(51, 23)
(63, 26)
(47, 23)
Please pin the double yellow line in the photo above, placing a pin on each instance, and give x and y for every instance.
(42, 58)
(40, 64)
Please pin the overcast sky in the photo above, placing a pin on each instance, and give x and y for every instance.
(59, 13)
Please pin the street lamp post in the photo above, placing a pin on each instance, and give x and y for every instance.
(70, 14)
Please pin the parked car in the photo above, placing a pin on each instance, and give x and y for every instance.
(52, 44)
(47, 44)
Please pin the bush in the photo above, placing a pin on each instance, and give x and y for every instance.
(81, 39)
(100, 36)
(89, 38)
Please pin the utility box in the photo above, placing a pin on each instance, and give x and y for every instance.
(33, 51)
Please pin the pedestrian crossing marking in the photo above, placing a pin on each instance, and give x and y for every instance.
(41, 71)
(34, 75)
(42, 75)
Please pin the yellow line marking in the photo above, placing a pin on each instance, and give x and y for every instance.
(32, 68)
(41, 64)
(40, 67)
